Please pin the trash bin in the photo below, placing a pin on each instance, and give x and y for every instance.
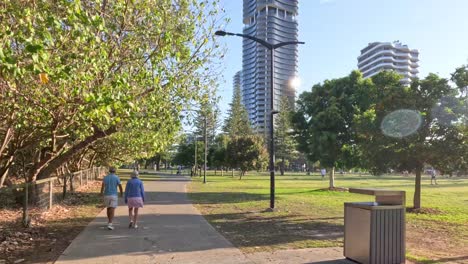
(375, 231)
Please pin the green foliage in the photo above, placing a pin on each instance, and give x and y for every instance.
(218, 155)
(73, 73)
(460, 78)
(285, 143)
(186, 153)
(324, 118)
(211, 113)
(237, 122)
(437, 139)
(246, 153)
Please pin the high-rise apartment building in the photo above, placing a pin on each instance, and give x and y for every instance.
(380, 56)
(237, 82)
(273, 21)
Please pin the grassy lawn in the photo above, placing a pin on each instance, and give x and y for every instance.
(311, 216)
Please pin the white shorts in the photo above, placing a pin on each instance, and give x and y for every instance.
(110, 201)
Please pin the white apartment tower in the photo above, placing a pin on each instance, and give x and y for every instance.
(273, 21)
(381, 56)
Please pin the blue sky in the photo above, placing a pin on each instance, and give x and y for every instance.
(336, 30)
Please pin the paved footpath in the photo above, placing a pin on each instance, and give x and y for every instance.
(171, 230)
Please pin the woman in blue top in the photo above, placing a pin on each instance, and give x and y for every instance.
(134, 198)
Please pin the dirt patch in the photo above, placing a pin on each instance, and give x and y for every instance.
(51, 231)
(436, 241)
(338, 189)
(272, 231)
(430, 211)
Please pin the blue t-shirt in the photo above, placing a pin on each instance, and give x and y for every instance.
(111, 182)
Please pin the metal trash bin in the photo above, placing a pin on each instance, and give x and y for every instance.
(375, 231)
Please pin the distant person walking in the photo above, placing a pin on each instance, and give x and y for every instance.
(109, 189)
(323, 172)
(134, 198)
(433, 176)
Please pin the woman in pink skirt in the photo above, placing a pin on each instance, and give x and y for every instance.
(134, 198)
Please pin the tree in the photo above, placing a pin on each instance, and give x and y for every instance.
(185, 154)
(323, 122)
(211, 113)
(218, 155)
(460, 78)
(408, 127)
(285, 144)
(74, 73)
(246, 153)
(237, 122)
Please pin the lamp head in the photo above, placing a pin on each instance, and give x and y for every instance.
(220, 33)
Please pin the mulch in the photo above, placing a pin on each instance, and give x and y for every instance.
(51, 231)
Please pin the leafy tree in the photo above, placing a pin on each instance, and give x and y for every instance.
(285, 144)
(323, 122)
(159, 158)
(237, 122)
(185, 154)
(408, 127)
(246, 153)
(211, 113)
(74, 73)
(460, 78)
(218, 157)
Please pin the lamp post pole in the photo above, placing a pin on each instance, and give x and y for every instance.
(195, 157)
(271, 48)
(206, 149)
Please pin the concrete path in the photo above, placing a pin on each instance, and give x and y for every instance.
(170, 230)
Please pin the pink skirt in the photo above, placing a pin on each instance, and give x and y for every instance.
(135, 202)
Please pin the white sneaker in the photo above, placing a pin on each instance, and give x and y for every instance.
(135, 226)
(110, 227)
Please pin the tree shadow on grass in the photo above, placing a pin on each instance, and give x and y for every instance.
(203, 198)
(267, 229)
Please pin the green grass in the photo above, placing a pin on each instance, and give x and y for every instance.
(311, 216)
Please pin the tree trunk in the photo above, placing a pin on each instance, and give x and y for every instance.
(282, 166)
(222, 172)
(332, 178)
(417, 189)
(56, 162)
(7, 138)
(216, 170)
(4, 171)
(91, 161)
(232, 175)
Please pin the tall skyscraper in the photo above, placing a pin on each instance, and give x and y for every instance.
(237, 82)
(273, 21)
(380, 56)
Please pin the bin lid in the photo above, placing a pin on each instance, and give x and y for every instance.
(376, 192)
(373, 205)
(382, 196)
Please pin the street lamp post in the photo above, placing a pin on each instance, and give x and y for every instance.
(206, 149)
(195, 157)
(271, 47)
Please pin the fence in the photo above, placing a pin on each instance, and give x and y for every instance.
(47, 191)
